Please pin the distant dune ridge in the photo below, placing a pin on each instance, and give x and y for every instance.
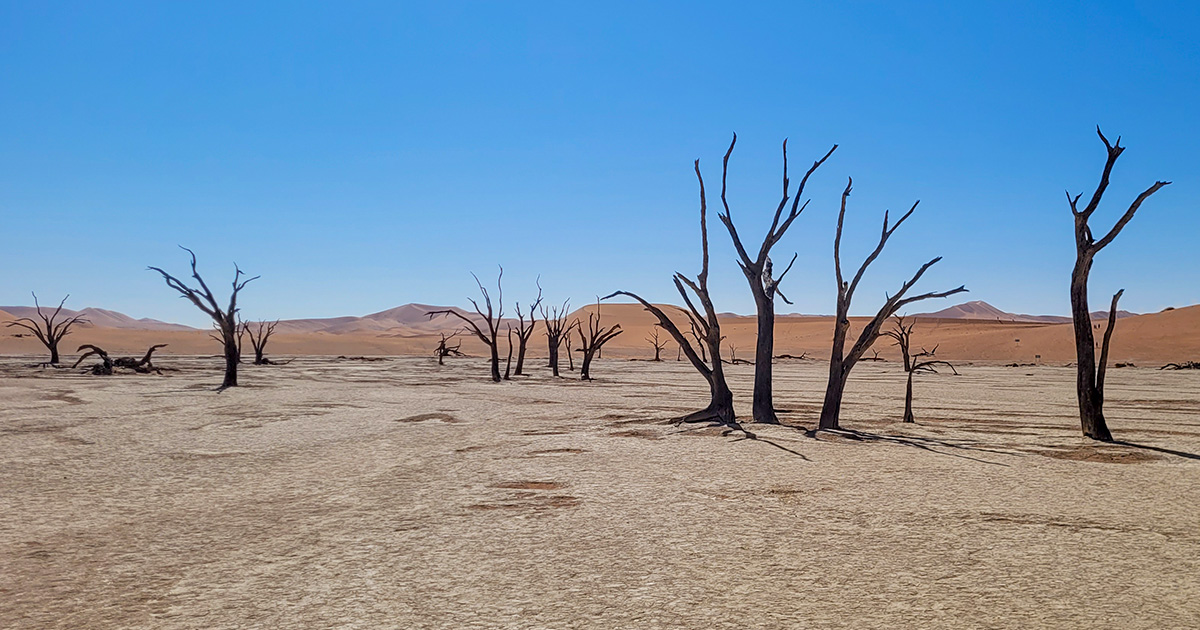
(98, 317)
(978, 309)
(972, 331)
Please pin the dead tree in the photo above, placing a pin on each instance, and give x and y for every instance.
(142, 365)
(259, 332)
(593, 339)
(104, 368)
(763, 285)
(706, 326)
(489, 332)
(922, 361)
(525, 331)
(508, 362)
(225, 320)
(841, 361)
(444, 349)
(558, 332)
(567, 345)
(1090, 375)
(658, 343)
(51, 330)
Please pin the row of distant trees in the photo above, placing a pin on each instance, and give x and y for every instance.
(757, 267)
(704, 326)
(489, 318)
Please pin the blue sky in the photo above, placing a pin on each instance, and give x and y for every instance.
(364, 155)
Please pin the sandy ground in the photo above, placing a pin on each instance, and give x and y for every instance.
(397, 494)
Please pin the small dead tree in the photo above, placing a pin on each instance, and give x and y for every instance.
(705, 325)
(51, 330)
(567, 345)
(922, 361)
(142, 365)
(1090, 375)
(763, 286)
(444, 349)
(104, 368)
(841, 361)
(225, 319)
(592, 339)
(260, 332)
(525, 331)
(658, 343)
(489, 332)
(558, 332)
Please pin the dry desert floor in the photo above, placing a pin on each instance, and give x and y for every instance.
(399, 494)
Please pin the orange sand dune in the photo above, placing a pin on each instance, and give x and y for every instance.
(1144, 339)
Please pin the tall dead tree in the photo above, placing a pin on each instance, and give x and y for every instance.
(525, 330)
(1090, 375)
(592, 339)
(51, 330)
(841, 361)
(260, 332)
(706, 326)
(764, 286)
(922, 361)
(444, 349)
(224, 319)
(656, 341)
(488, 333)
(558, 332)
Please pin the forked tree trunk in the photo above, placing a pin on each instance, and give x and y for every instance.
(226, 319)
(763, 286)
(842, 362)
(705, 328)
(1090, 374)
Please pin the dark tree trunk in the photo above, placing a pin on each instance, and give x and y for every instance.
(232, 358)
(495, 363)
(908, 414)
(520, 358)
(554, 359)
(54, 354)
(586, 366)
(1091, 399)
(764, 401)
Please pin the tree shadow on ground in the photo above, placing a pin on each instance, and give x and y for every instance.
(1158, 449)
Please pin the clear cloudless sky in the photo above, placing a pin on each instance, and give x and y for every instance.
(360, 155)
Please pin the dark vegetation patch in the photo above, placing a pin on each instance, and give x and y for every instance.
(530, 485)
(424, 417)
(636, 433)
